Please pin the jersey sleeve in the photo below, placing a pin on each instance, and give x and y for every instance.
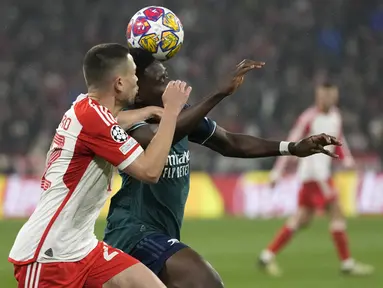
(137, 125)
(203, 131)
(104, 137)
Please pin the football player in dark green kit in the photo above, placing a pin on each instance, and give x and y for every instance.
(144, 219)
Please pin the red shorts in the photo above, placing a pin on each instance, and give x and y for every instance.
(93, 271)
(316, 194)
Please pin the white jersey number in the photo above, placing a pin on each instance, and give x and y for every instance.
(108, 256)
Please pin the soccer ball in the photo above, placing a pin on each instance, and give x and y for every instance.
(157, 30)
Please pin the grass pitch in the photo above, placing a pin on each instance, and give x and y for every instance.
(232, 246)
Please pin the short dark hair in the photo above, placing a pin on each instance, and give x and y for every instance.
(142, 58)
(102, 59)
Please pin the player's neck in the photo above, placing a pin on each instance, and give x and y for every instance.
(323, 110)
(106, 100)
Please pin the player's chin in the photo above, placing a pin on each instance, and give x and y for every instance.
(130, 100)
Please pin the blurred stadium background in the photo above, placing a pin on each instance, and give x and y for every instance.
(232, 212)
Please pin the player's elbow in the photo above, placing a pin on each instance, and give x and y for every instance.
(151, 177)
(226, 149)
(148, 177)
(232, 147)
(144, 173)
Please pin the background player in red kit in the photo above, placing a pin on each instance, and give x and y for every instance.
(317, 190)
(57, 247)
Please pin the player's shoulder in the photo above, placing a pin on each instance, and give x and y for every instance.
(336, 111)
(336, 115)
(91, 115)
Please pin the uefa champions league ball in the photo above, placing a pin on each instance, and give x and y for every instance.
(157, 30)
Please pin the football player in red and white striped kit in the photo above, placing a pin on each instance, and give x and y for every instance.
(317, 189)
(57, 246)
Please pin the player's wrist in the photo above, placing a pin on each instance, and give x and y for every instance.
(171, 111)
(219, 94)
(287, 148)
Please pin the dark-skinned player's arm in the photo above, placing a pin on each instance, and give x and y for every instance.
(191, 117)
(229, 144)
(245, 146)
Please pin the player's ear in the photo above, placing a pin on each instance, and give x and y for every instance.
(118, 85)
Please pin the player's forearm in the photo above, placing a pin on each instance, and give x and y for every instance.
(189, 118)
(127, 119)
(245, 146)
(158, 149)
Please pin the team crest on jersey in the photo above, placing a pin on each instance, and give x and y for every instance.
(118, 134)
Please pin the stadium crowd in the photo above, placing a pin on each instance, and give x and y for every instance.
(303, 42)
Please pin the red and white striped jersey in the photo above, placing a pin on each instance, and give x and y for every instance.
(316, 167)
(75, 185)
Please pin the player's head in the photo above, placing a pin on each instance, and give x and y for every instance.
(152, 78)
(110, 68)
(326, 95)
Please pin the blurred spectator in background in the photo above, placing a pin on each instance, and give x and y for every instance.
(303, 42)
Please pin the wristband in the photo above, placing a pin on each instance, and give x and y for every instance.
(284, 148)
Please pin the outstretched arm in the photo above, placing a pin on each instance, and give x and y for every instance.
(242, 146)
(245, 146)
(189, 119)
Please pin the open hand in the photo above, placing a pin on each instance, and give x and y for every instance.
(176, 95)
(313, 145)
(237, 77)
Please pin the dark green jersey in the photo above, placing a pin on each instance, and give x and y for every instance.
(139, 209)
